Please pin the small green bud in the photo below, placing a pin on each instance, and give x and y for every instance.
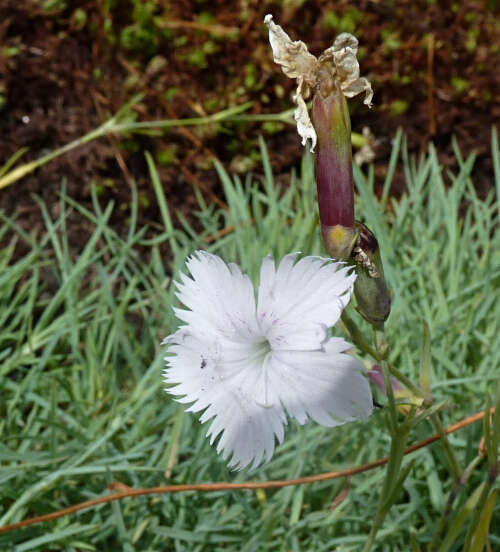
(370, 289)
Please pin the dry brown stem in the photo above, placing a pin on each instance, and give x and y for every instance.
(207, 487)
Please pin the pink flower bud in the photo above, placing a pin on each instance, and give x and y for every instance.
(331, 121)
(376, 376)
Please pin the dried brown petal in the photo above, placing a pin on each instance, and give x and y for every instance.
(346, 40)
(346, 67)
(367, 153)
(337, 64)
(357, 87)
(293, 56)
(304, 126)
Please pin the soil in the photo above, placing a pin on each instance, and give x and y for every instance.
(66, 66)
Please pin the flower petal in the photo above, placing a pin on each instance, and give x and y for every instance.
(231, 387)
(336, 64)
(301, 298)
(220, 297)
(293, 56)
(304, 125)
(244, 366)
(343, 52)
(357, 87)
(296, 62)
(328, 387)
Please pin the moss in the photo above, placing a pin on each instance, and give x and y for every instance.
(138, 39)
(144, 34)
(252, 78)
(171, 93)
(273, 127)
(206, 18)
(144, 200)
(391, 41)
(213, 104)
(470, 17)
(471, 41)
(210, 47)
(460, 85)
(399, 107)
(79, 19)
(347, 22)
(167, 155)
(11, 51)
(198, 58)
(54, 5)
(180, 41)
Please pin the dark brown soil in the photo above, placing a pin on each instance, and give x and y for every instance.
(434, 67)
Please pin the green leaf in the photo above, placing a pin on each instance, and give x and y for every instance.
(457, 524)
(480, 536)
(425, 361)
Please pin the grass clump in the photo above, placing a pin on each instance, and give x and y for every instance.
(83, 405)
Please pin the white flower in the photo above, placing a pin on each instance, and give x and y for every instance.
(248, 363)
(336, 64)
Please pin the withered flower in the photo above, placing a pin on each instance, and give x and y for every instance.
(330, 78)
(337, 65)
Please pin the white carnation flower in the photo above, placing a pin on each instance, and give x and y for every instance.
(248, 363)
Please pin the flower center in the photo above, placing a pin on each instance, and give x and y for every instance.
(263, 352)
(262, 349)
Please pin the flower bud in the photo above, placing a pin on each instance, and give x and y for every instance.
(330, 118)
(376, 376)
(371, 291)
(331, 77)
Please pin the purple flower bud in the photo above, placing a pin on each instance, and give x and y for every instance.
(376, 376)
(330, 118)
(331, 121)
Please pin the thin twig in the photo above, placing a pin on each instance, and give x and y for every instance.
(220, 234)
(210, 487)
(116, 152)
(208, 28)
(430, 84)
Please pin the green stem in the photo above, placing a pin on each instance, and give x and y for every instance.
(390, 397)
(114, 126)
(444, 520)
(391, 481)
(477, 515)
(230, 113)
(399, 436)
(25, 169)
(455, 467)
(357, 336)
(359, 340)
(492, 438)
(406, 381)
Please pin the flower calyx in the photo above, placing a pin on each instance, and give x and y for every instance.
(372, 294)
(408, 399)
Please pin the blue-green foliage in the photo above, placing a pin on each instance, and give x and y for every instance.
(80, 368)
